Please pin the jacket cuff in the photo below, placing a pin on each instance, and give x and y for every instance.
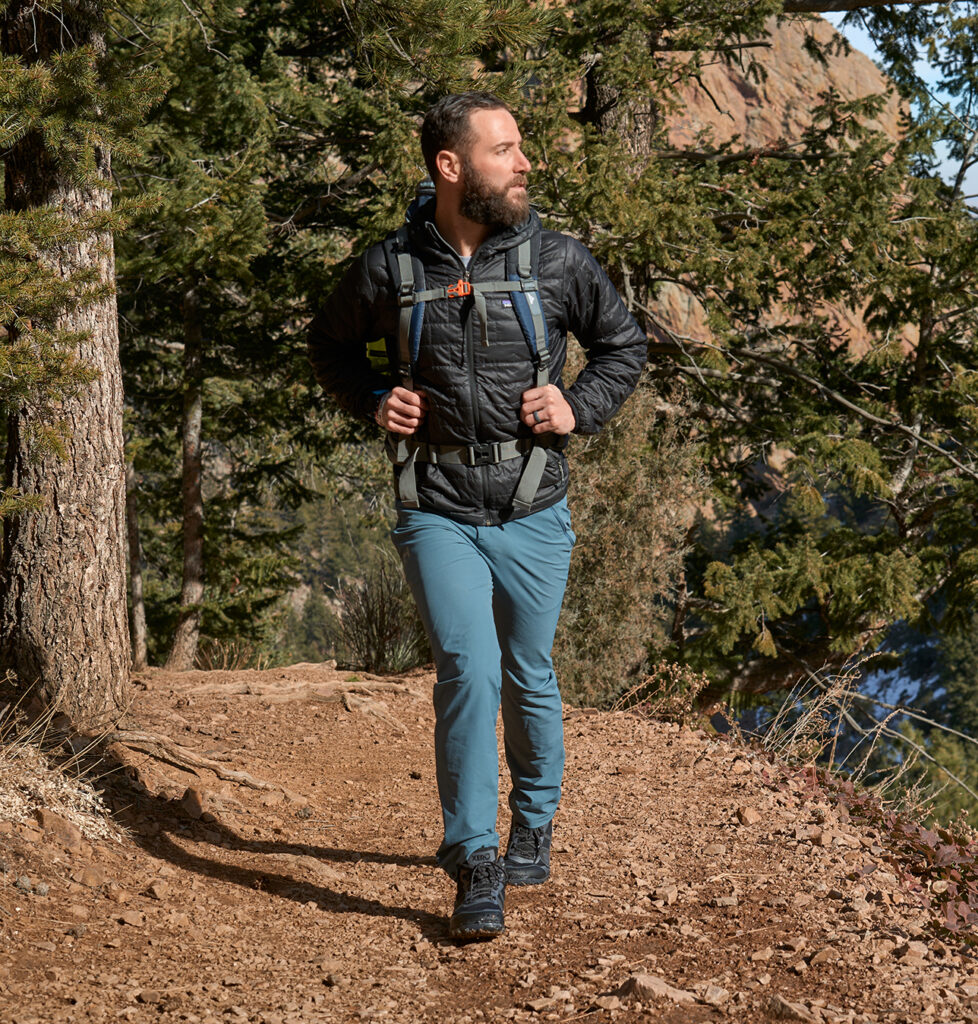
(583, 424)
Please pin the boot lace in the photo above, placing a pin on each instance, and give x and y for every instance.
(526, 842)
(486, 879)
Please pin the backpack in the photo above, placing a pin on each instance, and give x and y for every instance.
(407, 273)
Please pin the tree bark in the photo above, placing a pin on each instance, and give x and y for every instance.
(63, 626)
(185, 641)
(140, 656)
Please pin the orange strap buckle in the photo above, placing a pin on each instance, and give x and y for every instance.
(459, 289)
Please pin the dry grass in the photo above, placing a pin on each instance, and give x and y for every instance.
(35, 773)
(805, 732)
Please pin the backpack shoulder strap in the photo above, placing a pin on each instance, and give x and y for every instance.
(529, 312)
(407, 275)
(522, 266)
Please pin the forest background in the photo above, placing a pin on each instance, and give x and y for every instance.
(775, 510)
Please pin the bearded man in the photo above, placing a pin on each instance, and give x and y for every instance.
(474, 300)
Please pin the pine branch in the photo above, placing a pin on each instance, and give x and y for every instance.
(721, 159)
(826, 6)
(786, 368)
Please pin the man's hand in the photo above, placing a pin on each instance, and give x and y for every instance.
(546, 410)
(402, 411)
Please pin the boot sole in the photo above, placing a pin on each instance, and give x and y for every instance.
(487, 931)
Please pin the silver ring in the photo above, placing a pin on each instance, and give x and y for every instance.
(536, 416)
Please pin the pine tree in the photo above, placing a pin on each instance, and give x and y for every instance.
(65, 106)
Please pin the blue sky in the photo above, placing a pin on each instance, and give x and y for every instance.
(859, 39)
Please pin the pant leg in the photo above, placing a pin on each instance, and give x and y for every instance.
(452, 586)
(530, 560)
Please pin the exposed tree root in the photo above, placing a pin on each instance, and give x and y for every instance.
(165, 749)
(354, 696)
(369, 706)
(323, 692)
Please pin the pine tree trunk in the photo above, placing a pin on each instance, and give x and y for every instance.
(140, 657)
(184, 649)
(63, 625)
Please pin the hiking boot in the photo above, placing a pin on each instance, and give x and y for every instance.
(527, 859)
(478, 910)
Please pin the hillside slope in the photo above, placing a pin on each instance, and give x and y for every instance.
(693, 881)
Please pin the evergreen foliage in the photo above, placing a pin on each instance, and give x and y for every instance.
(65, 105)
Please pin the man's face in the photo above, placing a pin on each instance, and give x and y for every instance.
(494, 171)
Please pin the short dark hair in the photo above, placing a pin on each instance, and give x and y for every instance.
(446, 125)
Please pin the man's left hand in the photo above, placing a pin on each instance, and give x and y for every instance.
(545, 410)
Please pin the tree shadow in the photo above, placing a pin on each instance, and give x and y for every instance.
(169, 818)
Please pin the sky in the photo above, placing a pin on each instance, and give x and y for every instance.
(859, 39)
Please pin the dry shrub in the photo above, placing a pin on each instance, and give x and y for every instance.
(378, 627)
(634, 493)
(668, 694)
(229, 655)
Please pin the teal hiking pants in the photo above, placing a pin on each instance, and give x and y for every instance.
(489, 597)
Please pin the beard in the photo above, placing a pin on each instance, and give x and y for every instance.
(495, 208)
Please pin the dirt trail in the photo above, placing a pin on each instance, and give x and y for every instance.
(693, 881)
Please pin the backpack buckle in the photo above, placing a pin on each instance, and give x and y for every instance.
(459, 289)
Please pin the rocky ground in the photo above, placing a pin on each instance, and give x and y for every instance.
(694, 881)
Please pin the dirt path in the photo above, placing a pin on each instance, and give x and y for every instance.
(693, 882)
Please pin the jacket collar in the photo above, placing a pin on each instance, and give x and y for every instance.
(427, 239)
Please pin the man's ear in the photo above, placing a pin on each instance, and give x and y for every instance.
(449, 166)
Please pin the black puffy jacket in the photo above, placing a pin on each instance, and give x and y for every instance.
(474, 391)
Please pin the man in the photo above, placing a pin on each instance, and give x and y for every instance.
(476, 428)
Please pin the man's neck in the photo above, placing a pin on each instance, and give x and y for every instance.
(462, 234)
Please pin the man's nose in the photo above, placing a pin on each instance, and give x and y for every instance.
(522, 164)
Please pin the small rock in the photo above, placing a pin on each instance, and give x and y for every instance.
(726, 901)
(159, 890)
(668, 893)
(796, 944)
(149, 995)
(649, 986)
(63, 831)
(779, 1008)
(132, 917)
(608, 1002)
(538, 1005)
(712, 995)
(748, 815)
(42, 888)
(715, 850)
(762, 954)
(90, 875)
(193, 802)
(23, 883)
(824, 955)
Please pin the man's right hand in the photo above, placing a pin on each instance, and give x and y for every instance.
(401, 411)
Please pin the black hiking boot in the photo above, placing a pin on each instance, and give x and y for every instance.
(527, 859)
(478, 910)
